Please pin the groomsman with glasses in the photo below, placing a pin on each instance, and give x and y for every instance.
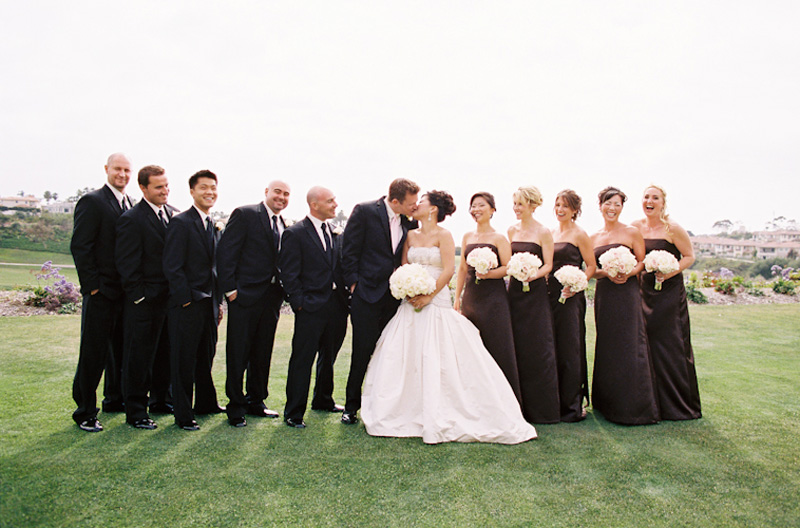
(141, 232)
(194, 303)
(248, 277)
(92, 246)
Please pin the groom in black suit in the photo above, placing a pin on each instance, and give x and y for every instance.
(311, 274)
(248, 277)
(139, 254)
(194, 312)
(93, 243)
(373, 247)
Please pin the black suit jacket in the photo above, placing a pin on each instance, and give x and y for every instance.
(94, 240)
(189, 263)
(139, 252)
(247, 260)
(367, 256)
(307, 272)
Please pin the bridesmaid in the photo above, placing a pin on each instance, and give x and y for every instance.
(531, 321)
(667, 313)
(486, 303)
(572, 247)
(623, 386)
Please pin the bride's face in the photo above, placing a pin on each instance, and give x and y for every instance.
(423, 208)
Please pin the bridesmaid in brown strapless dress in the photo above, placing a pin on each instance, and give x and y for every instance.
(486, 303)
(623, 388)
(531, 320)
(666, 313)
(572, 247)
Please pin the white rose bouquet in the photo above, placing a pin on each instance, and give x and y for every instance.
(618, 260)
(571, 277)
(410, 280)
(482, 259)
(661, 261)
(521, 266)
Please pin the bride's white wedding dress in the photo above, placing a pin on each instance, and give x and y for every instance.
(431, 377)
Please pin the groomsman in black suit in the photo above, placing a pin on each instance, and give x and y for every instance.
(139, 254)
(311, 274)
(373, 247)
(92, 246)
(194, 303)
(248, 277)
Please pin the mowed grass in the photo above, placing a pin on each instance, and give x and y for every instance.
(737, 466)
(22, 276)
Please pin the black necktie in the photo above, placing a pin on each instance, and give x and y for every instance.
(327, 238)
(275, 233)
(210, 231)
(124, 204)
(162, 217)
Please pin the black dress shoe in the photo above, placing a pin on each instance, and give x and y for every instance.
(92, 425)
(212, 410)
(262, 412)
(349, 418)
(189, 426)
(297, 424)
(161, 408)
(144, 423)
(238, 421)
(334, 409)
(113, 407)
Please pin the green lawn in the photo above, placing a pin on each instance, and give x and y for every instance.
(16, 276)
(738, 466)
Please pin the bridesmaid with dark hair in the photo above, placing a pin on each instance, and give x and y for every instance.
(530, 314)
(623, 387)
(571, 247)
(667, 312)
(485, 302)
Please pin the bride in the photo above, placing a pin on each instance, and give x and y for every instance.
(430, 375)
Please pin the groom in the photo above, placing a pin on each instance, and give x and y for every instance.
(373, 247)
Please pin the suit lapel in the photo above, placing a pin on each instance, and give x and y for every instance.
(112, 200)
(151, 216)
(312, 232)
(383, 214)
(201, 228)
(266, 222)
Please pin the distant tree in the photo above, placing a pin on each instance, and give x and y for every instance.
(54, 196)
(20, 193)
(780, 223)
(79, 193)
(340, 219)
(723, 226)
(47, 196)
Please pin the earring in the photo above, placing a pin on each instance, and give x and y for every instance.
(429, 215)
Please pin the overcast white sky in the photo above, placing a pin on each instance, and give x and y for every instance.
(700, 97)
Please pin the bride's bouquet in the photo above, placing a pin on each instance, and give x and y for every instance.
(618, 260)
(662, 261)
(410, 280)
(571, 277)
(482, 259)
(521, 266)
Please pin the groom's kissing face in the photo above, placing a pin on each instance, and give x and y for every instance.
(409, 204)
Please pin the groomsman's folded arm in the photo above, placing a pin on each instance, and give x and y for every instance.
(353, 245)
(174, 260)
(229, 252)
(290, 263)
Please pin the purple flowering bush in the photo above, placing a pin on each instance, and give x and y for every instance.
(54, 292)
(785, 280)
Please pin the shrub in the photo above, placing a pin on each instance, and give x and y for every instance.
(783, 286)
(695, 295)
(57, 294)
(725, 286)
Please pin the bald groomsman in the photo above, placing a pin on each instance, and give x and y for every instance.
(248, 277)
(311, 273)
(93, 244)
